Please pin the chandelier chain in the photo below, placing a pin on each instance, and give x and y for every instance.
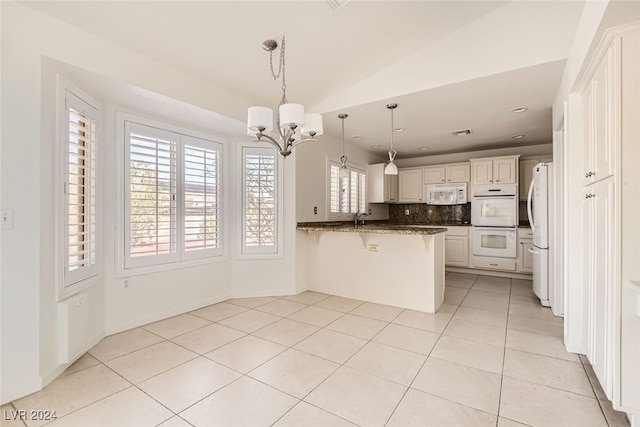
(281, 71)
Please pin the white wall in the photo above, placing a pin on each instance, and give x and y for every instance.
(34, 49)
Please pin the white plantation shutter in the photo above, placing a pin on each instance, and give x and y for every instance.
(79, 174)
(202, 215)
(334, 188)
(151, 185)
(172, 196)
(346, 195)
(260, 196)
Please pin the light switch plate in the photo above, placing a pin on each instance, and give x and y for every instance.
(6, 219)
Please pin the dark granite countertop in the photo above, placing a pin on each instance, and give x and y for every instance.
(372, 227)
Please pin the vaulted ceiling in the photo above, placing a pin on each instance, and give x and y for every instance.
(449, 65)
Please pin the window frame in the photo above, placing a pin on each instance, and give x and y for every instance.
(361, 193)
(71, 283)
(182, 258)
(276, 251)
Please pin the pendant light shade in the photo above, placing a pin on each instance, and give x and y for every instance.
(391, 168)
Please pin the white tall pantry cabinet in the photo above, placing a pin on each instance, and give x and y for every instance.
(610, 104)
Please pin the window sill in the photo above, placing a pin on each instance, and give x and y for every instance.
(137, 271)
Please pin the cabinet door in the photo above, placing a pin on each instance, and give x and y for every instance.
(601, 254)
(434, 174)
(410, 186)
(376, 183)
(504, 171)
(458, 173)
(526, 175)
(456, 251)
(482, 172)
(587, 135)
(525, 259)
(603, 105)
(391, 188)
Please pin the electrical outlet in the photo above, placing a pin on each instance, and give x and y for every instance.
(406, 211)
(373, 248)
(6, 219)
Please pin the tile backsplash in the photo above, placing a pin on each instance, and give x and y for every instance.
(421, 213)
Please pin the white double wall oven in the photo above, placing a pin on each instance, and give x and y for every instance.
(494, 216)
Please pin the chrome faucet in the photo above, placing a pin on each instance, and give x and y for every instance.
(357, 218)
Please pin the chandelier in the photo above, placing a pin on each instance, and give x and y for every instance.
(294, 126)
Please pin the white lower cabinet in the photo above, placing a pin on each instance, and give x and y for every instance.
(599, 259)
(456, 247)
(524, 260)
(494, 263)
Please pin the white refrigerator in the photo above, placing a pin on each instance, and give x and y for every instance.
(539, 208)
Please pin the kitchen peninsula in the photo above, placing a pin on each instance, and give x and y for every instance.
(399, 265)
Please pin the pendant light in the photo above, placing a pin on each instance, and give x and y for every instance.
(391, 168)
(344, 172)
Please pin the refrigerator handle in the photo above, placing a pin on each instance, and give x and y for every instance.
(529, 200)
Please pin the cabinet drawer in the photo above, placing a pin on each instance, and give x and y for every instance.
(525, 233)
(494, 263)
(457, 231)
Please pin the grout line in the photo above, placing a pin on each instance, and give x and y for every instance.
(504, 356)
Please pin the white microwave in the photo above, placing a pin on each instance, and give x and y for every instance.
(447, 194)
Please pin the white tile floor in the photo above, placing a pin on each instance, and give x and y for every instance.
(490, 356)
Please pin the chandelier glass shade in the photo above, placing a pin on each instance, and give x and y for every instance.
(293, 125)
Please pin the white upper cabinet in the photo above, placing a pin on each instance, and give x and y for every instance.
(599, 113)
(455, 172)
(381, 188)
(435, 175)
(410, 186)
(495, 170)
(458, 173)
(482, 171)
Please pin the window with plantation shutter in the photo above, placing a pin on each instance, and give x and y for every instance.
(79, 188)
(260, 217)
(172, 196)
(346, 195)
(202, 228)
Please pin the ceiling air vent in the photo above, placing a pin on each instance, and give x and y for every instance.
(337, 4)
(461, 132)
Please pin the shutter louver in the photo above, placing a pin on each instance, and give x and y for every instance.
(260, 202)
(79, 190)
(201, 182)
(152, 194)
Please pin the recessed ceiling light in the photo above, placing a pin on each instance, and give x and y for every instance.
(357, 137)
(518, 136)
(423, 148)
(519, 110)
(375, 146)
(399, 130)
